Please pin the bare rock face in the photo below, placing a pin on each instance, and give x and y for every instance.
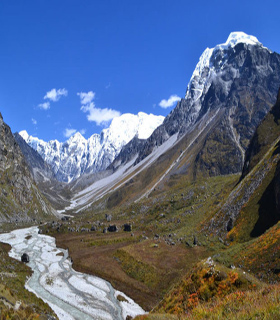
(19, 197)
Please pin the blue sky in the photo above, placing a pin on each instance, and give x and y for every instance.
(72, 65)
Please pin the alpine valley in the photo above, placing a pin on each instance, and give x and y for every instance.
(180, 213)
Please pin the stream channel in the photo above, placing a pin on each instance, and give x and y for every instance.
(71, 294)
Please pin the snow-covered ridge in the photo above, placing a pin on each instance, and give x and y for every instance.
(78, 155)
(238, 37)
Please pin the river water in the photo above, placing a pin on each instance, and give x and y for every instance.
(71, 294)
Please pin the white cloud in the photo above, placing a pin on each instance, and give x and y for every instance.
(83, 131)
(69, 132)
(99, 116)
(44, 106)
(86, 97)
(170, 102)
(55, 95)
(34, 121)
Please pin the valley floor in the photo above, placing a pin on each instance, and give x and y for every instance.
(160, 262)
(70, 294)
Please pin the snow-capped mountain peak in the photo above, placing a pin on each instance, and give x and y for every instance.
(24, 134)
(238, 37)
(78, 155)
(205, 71)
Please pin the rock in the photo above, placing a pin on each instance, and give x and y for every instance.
(112, 228)
(229, 224)
(127, 227)
(187, 244)
(25, 258)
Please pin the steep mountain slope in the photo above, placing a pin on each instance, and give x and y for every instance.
(253, 206)
(77, 156)
(20, 199)
(266, 134)
(55, 191)
(240, 77)
(232, 88)
(40, 170)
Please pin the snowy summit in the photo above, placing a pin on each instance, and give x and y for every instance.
(233, 39)
(238, 37)
(204, 70)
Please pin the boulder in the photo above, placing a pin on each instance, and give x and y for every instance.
(112, 228)
(127, 227)
(25, 258)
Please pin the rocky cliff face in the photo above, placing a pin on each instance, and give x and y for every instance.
(78, 156)
(20, 199)
(253, 206)
(240, 78)
(263, 138)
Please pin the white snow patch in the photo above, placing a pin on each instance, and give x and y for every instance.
(130, 308)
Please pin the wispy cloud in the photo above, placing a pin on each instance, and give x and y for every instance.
(83, 131)
(54, 95)
(44, 106)
(68, 132)
(97, 115)
(34, 121)
(86, 97)
(169, 102)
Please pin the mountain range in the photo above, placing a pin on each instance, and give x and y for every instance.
(203, 181)
(77, 156)
(230, 91)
